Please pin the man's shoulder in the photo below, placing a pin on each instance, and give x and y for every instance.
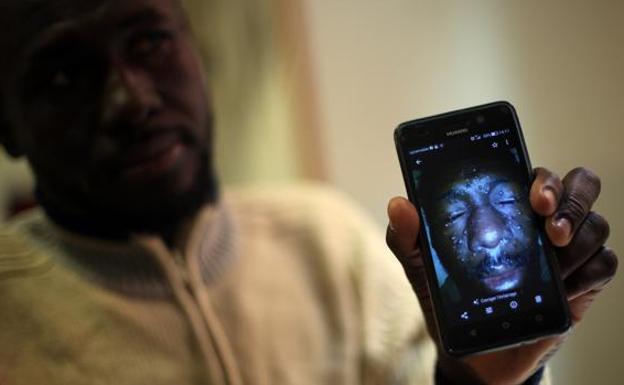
(311, 219)
(291, 194)
(19, 253)
(303, 201)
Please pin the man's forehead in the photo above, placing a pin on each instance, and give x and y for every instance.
(46, 11)
(472, 187)
(34, 19)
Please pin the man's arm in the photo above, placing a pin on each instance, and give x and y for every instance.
(586, 265)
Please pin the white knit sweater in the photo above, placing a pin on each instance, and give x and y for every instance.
(273, 287)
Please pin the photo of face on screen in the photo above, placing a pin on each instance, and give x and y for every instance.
(491, 271)
(482, 233)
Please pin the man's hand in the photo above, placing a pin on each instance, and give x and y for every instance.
(586, 266)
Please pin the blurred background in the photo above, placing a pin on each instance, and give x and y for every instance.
(312, 89)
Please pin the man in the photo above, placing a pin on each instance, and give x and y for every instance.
(140, 272)
(483, 229)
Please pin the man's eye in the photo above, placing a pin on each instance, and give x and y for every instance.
(507, 201)
(456, 215)
(63, 74)
(54, 80)
(60, 79)
(150, 42)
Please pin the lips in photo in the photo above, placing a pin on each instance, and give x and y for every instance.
(507, 279)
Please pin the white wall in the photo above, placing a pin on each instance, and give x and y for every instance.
(561, 63)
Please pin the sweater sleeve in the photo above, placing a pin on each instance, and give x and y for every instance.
(396, 346)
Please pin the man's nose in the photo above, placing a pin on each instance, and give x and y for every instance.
(130, 97)
(486, 228)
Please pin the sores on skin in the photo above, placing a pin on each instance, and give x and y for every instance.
(487, 223)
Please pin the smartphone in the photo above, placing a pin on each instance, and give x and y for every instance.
(492, 273)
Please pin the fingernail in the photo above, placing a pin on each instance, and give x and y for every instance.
(392, 227)
(549, 193)
(563, 225)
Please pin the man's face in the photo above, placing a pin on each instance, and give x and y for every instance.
(486, 233)
(107, 101)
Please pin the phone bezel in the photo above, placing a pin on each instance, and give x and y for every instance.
(459, 343)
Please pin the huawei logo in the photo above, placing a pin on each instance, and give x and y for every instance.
(457, 132)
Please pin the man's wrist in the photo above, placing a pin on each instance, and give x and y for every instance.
(463, 377)
(450, 371)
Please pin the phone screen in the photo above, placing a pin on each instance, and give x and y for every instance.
(470, 177)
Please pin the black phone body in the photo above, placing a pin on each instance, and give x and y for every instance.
(491, 270)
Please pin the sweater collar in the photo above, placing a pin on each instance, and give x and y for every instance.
(208, 244)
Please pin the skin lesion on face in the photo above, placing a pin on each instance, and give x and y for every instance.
(485, 231)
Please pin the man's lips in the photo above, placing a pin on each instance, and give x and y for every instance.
(509, 278)
(152, 156)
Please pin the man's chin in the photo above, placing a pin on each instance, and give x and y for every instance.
(166, 200)
(174, 193)
(157, 212)
(504, 281)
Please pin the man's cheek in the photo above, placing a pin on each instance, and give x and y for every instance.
(471, 260)
(463, 255)
(67, 128)
(456, 231)
(522, 229)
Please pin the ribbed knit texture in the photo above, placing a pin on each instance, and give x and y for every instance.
(274, 286)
